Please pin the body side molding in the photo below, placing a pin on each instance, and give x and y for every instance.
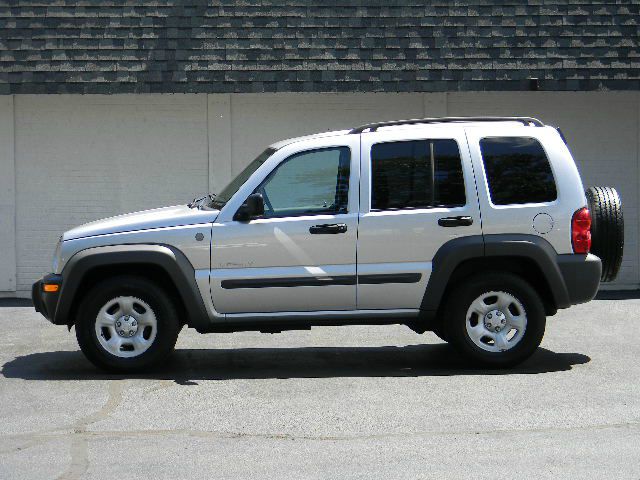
(317, 281)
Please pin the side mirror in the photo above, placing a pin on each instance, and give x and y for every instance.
(252, 207)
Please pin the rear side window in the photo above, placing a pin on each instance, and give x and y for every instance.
(416, 174)
(518, 171)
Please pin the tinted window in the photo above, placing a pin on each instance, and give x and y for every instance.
(416, 174)
(308, 183)
(518, 170)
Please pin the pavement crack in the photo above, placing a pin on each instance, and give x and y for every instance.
(82, 433)
(159, 385)
(286, 436)
(79, 450)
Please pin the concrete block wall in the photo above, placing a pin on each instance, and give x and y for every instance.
(69, 159)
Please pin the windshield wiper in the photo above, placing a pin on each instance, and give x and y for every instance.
(199, 202)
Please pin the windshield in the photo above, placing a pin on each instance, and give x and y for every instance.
(230, 190)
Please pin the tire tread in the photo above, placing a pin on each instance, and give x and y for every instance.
(607, 229)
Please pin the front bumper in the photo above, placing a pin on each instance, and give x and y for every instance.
(46, 303)
(581, 275)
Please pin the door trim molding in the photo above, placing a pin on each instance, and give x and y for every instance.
(288, 282)
(381, 278)
(370, 279)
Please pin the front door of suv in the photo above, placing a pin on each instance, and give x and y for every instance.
(417, 193)
(300, 256)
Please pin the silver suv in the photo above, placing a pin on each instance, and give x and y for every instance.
(474, 228)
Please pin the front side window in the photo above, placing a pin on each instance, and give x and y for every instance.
(416, 174)
(518, 171)
(308, 183)
(234, 185)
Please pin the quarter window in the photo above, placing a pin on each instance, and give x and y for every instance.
(308, 183)
(518, 171)
(416, 174)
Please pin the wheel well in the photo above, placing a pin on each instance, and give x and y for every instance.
(521, 266)
(150, 272)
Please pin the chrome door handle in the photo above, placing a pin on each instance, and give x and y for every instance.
(328, 229)
(455, 221)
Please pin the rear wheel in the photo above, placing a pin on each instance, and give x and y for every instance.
(126, 324)
(495, 319)
(440, 332)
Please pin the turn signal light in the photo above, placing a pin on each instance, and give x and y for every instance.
(581, 231)
(51, 287)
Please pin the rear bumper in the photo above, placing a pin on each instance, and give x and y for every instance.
(46, 303)
(581, 274)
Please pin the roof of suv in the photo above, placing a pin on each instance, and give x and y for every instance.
(372, 127)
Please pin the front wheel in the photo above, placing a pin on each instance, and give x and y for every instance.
(126, 324)
(495, 319)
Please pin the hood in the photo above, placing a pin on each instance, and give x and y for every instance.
(157, 218)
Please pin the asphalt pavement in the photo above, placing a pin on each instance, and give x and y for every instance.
(334, 402)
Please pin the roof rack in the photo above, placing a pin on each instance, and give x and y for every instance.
(372, 127)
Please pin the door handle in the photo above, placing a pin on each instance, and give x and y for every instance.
(328, 229)
(455, 221)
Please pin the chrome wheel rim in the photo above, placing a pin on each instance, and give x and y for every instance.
(496, 321)
(126, 326)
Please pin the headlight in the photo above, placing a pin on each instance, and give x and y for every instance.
(57, 257)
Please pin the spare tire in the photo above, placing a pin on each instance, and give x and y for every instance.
(607, 229)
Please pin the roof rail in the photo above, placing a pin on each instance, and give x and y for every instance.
(372, 127)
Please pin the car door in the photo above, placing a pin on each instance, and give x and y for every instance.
(518, 172)
(417, 193)
(300, 256)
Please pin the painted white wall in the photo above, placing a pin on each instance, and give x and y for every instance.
(80, 158)
(7, 197)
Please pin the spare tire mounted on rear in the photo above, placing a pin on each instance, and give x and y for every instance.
(607, 229)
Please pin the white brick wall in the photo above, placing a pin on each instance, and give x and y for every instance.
(79, 158)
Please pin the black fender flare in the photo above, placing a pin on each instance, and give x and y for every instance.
(454, 252)
(169, 258)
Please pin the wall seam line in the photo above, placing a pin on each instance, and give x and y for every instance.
(638, 182)
(230, 139)
(206, 99)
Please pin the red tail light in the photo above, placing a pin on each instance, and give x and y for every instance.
(581, 231)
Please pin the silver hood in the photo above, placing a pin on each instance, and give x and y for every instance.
(157, 218)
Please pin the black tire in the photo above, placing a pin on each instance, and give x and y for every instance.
(166, 336)
(440, 332)
(459, 302)
(607, 229)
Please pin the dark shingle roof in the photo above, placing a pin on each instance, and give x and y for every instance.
(118, 46)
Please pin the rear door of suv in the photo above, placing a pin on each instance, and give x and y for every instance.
(520, 171)
(417, 192)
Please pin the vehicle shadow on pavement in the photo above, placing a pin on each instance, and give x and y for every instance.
(188, 365)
